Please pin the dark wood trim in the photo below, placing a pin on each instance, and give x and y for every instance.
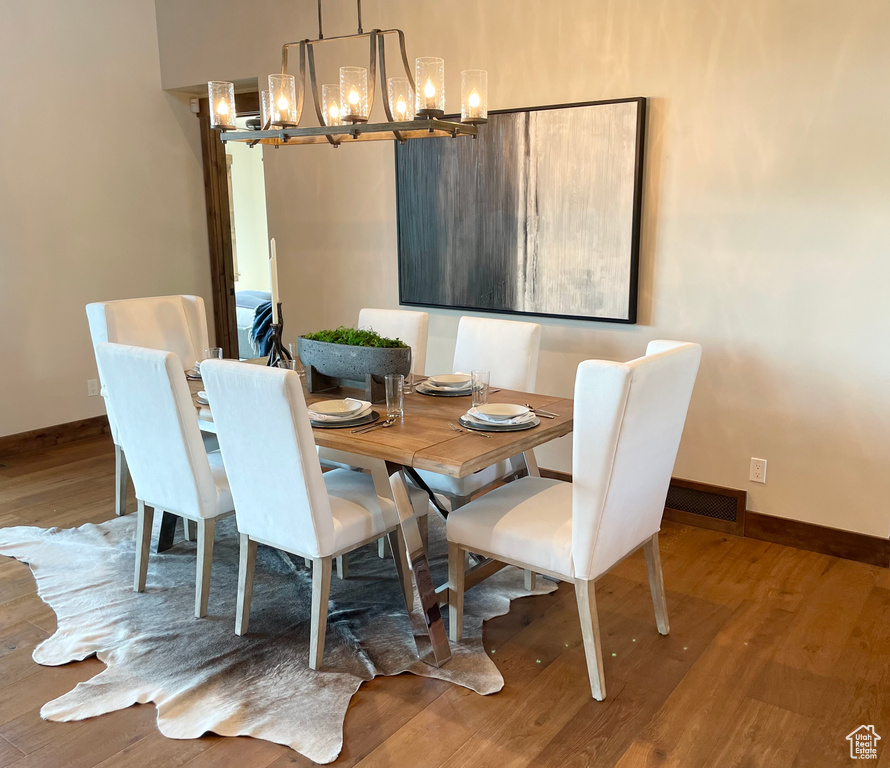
(58, 434)
(848, 545)
(247, 104)
(555, 474)
(219, 235)
(736, 528)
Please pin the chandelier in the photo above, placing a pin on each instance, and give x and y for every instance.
(343, 109)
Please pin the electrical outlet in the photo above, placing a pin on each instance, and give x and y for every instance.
(93, 387)
(758, 470)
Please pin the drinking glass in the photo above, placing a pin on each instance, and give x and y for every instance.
(214, 353)
(409, 379)
(294, 365)
(480, 387)
(395, 385)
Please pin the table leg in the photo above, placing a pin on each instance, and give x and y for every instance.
(168, 528)
(432, 632)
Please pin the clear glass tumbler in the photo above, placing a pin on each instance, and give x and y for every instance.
(480, 387)
(214, 353)
(395, 385)
(294, 365)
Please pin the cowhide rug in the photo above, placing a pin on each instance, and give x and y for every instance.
(204, 678)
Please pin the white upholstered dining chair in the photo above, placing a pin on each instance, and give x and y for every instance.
(175, 324)
(509, 351)
(282, 499)
(628, 421)
(172, 472)
(407, 325)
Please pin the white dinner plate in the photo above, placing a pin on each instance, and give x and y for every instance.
(345, 409)
(201, 397)
(500, 411)
(451, 380)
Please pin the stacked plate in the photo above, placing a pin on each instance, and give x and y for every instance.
(447, 385)
(499, 417)
(341, 413)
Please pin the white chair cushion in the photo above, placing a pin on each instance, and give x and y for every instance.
(223, 492)
(359, 513)
(466, 486)
(529, 521)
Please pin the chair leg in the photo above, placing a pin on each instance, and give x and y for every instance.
(190, 529)
(457, 571)
(206, 535)
(343, 567)
(590, 631)
(381, 547)
(321, 589)
(396, 544)
(145, 517)
(656, 584)
(121, 478)
(530, 580)
(246, 567)
(308, 562)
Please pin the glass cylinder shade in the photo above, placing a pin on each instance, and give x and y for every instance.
(401, 98)
(474, 96)
(353, 95)
(266, 108)
(283, 90)
(330, 104)
(429, 79)
(222, 104)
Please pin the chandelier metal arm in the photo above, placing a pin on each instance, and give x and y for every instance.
(319, 113)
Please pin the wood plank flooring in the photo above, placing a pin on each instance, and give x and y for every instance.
(775, 655)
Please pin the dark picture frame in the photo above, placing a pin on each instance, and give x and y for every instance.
(434, 211)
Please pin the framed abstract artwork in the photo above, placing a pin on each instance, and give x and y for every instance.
(539, 215)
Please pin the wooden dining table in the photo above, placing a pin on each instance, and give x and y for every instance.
(423, 439)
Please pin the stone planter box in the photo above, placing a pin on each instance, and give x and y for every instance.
(338, 363)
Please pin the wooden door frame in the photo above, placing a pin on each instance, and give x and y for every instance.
(219, 223)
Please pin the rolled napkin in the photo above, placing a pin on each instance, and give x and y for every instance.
(481, 418)
(366, 407)
(433, 388)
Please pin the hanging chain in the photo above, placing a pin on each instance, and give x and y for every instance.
(358, 13)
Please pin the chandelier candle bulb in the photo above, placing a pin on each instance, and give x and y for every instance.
(283, 92)
(401, 98)
(330, 97)
(222, 104)
(273, 271)
(474, 96)
(429, 75)
(353, 95)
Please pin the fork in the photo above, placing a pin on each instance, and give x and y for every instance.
(538, 412)
(456, 428)
(382, 424)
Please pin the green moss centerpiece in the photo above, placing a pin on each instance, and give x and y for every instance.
(346, 355)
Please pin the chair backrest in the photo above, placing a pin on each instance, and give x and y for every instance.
(629, 418)
(269, 451)
(158, 429)
(171, 323)
(175, 324)
(407, 325)
(506, 348)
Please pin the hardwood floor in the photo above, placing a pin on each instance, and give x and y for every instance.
(775, 655)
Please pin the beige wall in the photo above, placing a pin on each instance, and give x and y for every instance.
(101, 193)
(249, 203)
(767, 209)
